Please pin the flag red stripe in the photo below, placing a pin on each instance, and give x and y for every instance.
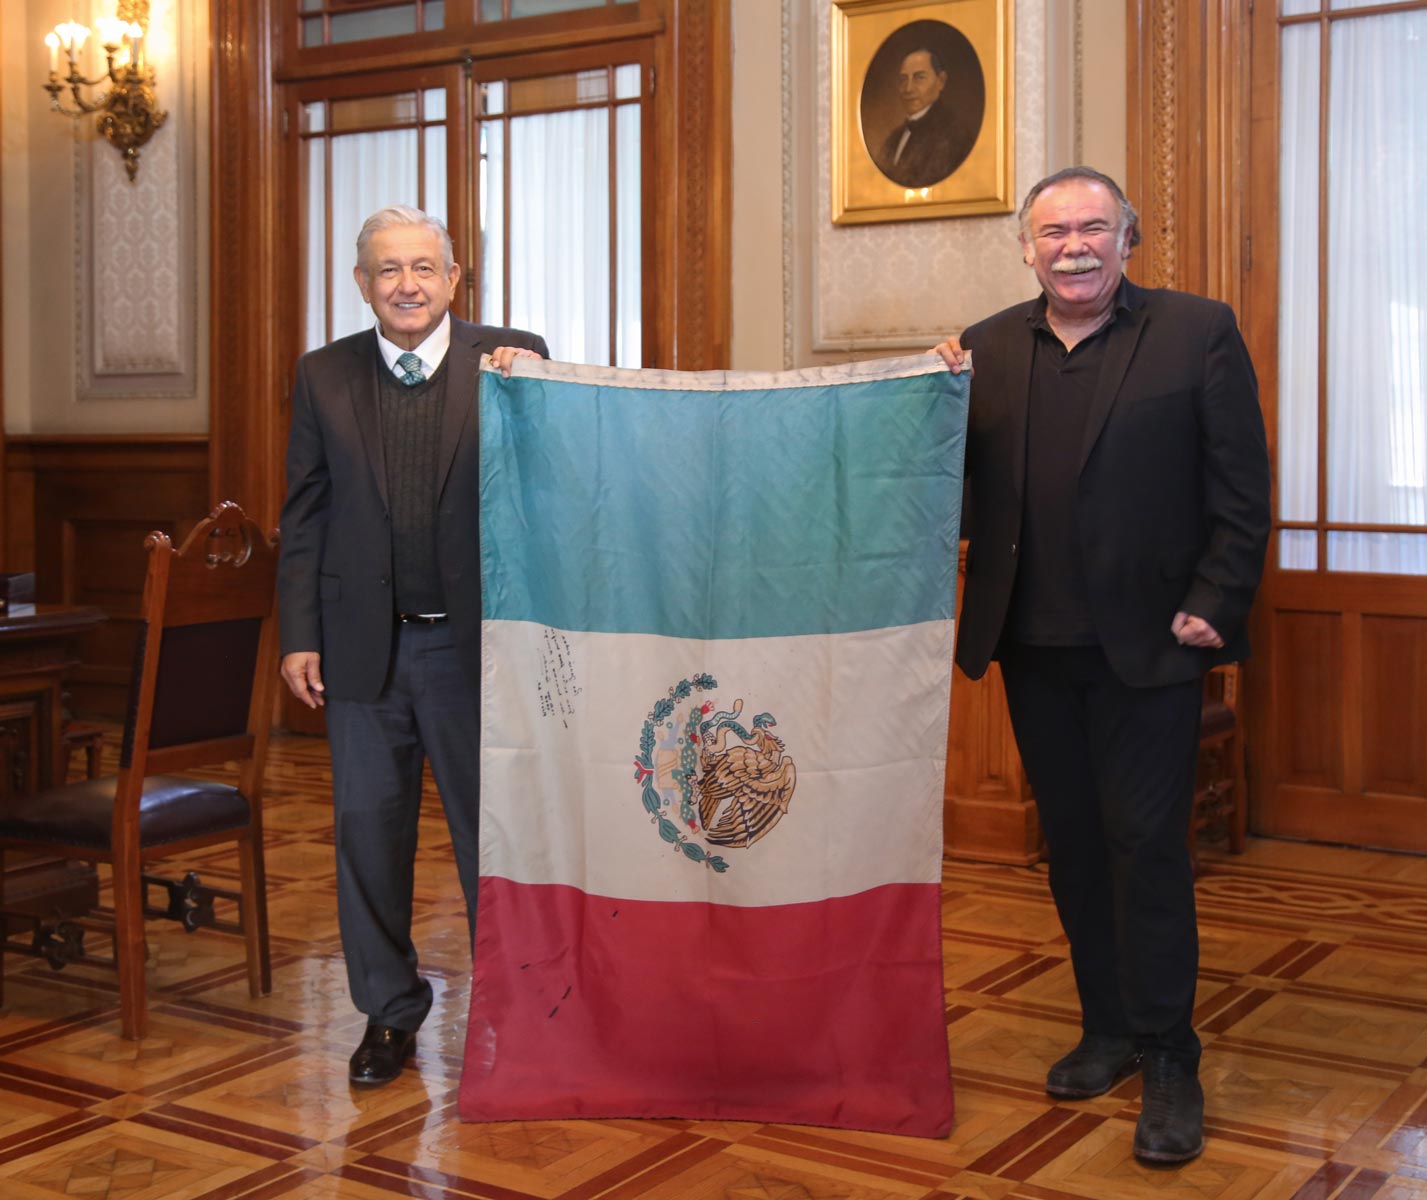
(826, 1013)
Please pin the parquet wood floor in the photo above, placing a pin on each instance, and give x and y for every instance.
(1312, 1007)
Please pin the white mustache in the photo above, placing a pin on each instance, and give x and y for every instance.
(1076, 266)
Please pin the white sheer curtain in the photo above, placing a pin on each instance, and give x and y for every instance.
(1376, 290)
(491, 183)
(561, 262)
(1377, 294)
(315, 298)
(559, 231)
(629, 314)
(369, 171)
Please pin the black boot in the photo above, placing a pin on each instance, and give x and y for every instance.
(1096, 1065)
(1171, 1124)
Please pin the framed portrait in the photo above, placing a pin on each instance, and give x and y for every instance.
(922, 100)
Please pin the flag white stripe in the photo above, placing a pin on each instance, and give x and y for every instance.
(863, 716)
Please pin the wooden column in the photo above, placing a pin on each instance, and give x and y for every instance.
(1187, 136)
(692, 217)
(248, 408)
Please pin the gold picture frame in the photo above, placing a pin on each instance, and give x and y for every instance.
(955, 157)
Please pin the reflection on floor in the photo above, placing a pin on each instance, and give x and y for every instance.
(1312, 1007)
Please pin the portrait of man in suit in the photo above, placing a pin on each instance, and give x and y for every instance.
(923, 102)
(379, 603)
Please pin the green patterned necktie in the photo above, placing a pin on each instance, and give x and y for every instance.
(411, 364)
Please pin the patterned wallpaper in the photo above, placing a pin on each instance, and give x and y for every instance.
(908, 283)
(137, 265)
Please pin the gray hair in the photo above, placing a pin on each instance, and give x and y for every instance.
(395, 215)
(1129, 218)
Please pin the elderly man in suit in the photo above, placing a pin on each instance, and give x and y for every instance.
(937, 136)
(379, 598)
(1118, 488)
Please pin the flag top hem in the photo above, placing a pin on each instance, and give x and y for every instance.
(901, 367)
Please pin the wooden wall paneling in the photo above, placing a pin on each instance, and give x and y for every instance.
(1348, 688)
(19, 549)
(1394, 709)
(1307, 698)
(94, 499)
(988, 812)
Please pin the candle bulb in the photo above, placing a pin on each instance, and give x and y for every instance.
(53, 43)
(111, 32)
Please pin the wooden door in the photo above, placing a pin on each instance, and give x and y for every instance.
(1338, 721)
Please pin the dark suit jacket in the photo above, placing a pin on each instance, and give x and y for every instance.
(939, 143)
(335, 573)
(1172, 506)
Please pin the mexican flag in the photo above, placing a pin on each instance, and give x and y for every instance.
(718, 618)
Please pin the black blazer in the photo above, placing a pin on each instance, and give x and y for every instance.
(1172, 504)
(335, 573)
(939, 143)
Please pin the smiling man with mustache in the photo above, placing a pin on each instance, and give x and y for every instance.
(379, 599)
(1118, 500)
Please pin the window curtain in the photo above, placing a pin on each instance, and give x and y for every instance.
(559, 231)
(1376, 289)
(561, 264)
(369, 171)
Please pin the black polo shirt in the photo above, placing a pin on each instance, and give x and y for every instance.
(1049, 604)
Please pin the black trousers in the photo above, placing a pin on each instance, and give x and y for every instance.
(1112, 768)
(429, 708)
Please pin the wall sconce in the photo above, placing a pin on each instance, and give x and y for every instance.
(128, 112)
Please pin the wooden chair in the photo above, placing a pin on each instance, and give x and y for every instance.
(86, 736)
(202, 693)
(1220, 787)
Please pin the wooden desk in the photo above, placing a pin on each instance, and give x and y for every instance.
(36, 651)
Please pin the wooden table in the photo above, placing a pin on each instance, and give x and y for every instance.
(36, 651)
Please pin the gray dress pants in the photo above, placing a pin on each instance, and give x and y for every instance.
(428, 709)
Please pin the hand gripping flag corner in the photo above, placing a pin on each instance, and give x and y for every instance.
(717, 639)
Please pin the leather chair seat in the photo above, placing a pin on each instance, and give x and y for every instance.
(81, 814)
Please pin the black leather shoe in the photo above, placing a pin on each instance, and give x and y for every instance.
(379, 1058)
(1171, 1124)
(1096, 1065)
